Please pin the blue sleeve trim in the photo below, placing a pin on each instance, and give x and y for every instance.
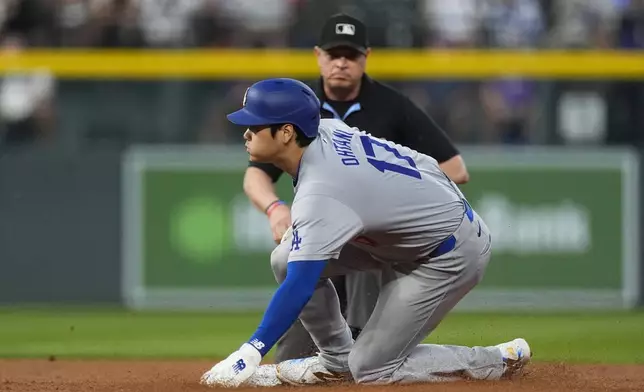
(287, 303)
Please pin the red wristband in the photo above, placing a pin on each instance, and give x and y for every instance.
(274, 205)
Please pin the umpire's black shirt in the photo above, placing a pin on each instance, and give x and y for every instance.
(386, 113)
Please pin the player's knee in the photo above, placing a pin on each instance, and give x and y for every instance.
(279, 261)
(365, 370)
(355, 366)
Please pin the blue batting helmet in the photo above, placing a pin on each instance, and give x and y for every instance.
(279, 101)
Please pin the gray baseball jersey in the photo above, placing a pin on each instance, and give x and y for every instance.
(389, 205)
(387, 199)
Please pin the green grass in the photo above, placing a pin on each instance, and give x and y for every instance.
(577, 337)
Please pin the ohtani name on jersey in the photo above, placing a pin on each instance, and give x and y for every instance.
(342, 147)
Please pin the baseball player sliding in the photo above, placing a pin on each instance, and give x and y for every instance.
(363, 203)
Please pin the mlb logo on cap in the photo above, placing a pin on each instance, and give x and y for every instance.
(345, 28)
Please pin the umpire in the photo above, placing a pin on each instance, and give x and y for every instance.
(347, 93)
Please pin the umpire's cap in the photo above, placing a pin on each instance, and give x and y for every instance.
(344, 30)
(280, 101)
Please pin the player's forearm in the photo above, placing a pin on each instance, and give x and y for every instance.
(259, 188)
(455, 169)
(287, 303)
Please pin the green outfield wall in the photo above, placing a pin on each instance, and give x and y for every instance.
(564, 224)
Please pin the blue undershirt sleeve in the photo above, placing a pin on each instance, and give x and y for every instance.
(287, 303)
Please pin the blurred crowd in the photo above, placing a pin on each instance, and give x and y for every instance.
(492, 111)
(294, 23)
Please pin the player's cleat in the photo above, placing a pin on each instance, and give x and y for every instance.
(307, 371)
(516, 354)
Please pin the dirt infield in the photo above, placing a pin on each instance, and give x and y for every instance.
(182, 376)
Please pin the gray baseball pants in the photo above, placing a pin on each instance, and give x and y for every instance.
(413, 300)
(361, 290)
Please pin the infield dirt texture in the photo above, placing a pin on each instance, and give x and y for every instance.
(180, 376)
(48, 350)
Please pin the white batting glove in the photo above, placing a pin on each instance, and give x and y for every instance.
(234, 370)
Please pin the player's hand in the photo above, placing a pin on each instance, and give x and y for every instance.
(280, 221)
(234, 370)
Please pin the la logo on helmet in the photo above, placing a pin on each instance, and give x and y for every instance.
(245, 94)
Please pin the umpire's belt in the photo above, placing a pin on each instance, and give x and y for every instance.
(450, 242)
